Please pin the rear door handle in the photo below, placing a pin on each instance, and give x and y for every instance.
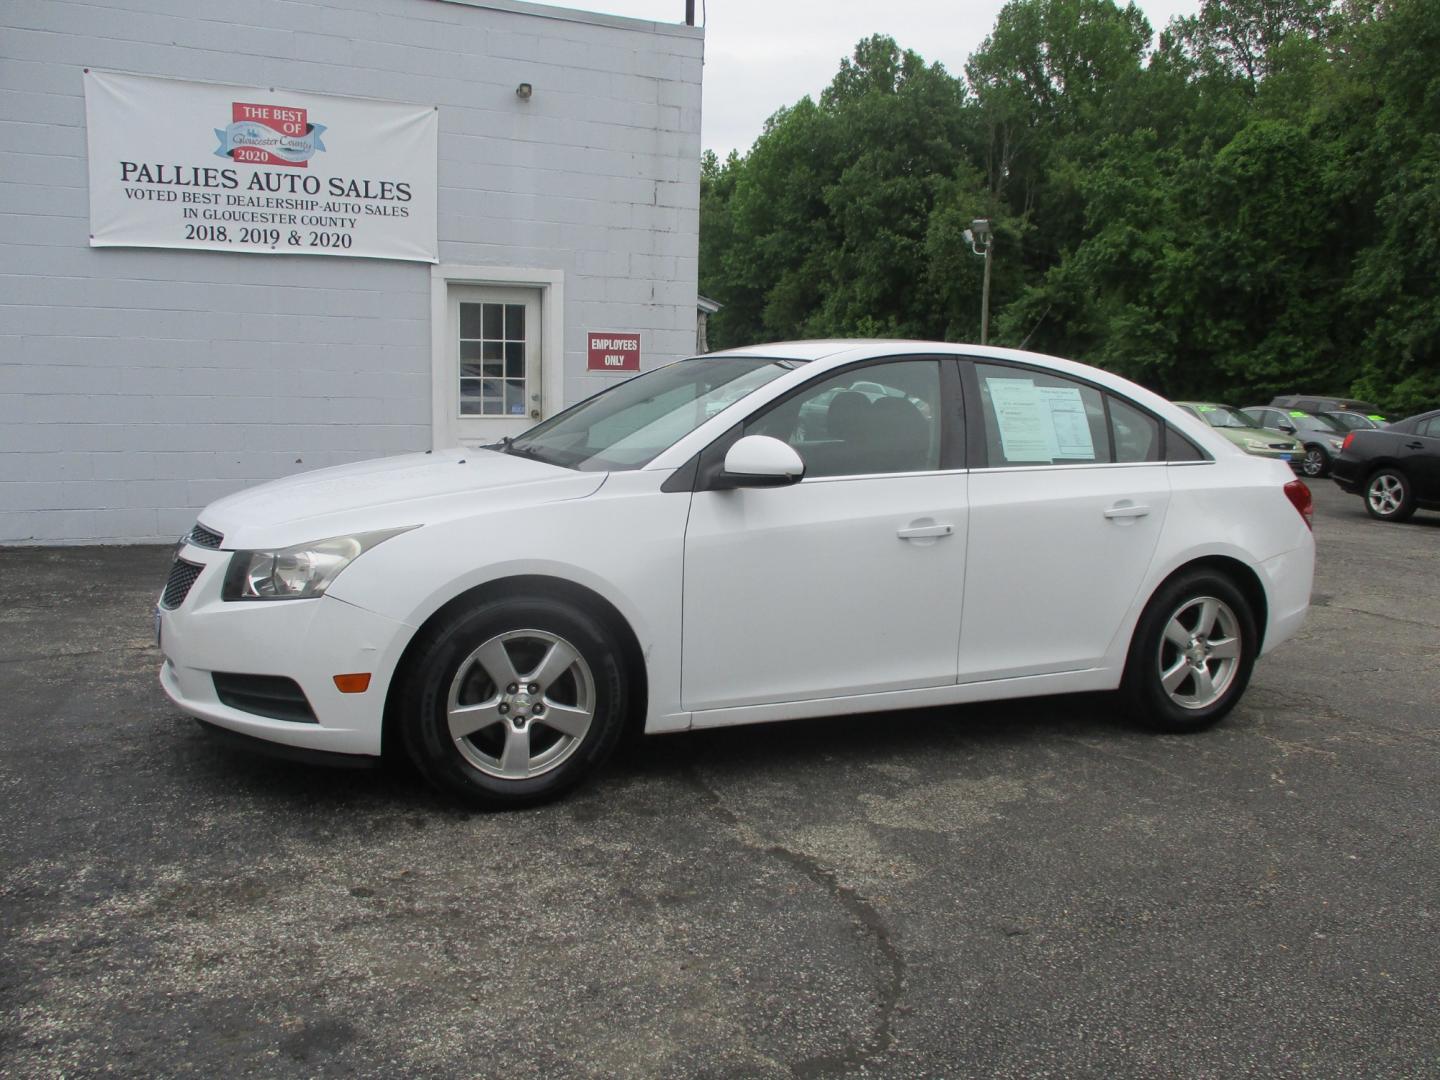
(1416, 445)
(1127, 510)
(919, 532)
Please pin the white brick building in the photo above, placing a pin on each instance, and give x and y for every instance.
(137, 384)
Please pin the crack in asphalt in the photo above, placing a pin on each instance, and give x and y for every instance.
(867, 920)
(1381, 615)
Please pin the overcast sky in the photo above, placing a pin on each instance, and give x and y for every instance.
(762, 54)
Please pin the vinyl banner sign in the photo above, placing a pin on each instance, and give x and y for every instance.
(178, 164)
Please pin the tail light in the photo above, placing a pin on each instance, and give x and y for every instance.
(1300, 498)
(1349, 438)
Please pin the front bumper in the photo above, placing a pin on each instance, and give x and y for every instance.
(1348, 475)
(1290, 457)
(310, 641)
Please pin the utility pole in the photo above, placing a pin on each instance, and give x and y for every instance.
(977, 235)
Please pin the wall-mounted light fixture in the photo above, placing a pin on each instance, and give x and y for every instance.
(524, 90)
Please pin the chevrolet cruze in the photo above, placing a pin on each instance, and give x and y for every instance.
(792, 530)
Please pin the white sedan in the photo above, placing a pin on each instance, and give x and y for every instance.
(792, 530)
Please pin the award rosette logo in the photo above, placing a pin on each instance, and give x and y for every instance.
(269, 135)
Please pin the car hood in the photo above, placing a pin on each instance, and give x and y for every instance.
(412, 489)
(1270, 435)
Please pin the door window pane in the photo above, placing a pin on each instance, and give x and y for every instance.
(492, 359)
(882, 418)
(1035, 418)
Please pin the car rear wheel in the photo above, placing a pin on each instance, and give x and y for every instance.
(1316, 462)
(513, 702)
(1388, 495)
(1192, 653)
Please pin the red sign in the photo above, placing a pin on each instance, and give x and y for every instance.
(269, 134)
(610, 351)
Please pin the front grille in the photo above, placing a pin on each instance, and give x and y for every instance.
(177, 585)
(264, 695)
(1281, 446)
(200, 536)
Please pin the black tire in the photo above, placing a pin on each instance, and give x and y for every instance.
(1145, 696)
(1316, 463)
(1389, 495)
(469, 768)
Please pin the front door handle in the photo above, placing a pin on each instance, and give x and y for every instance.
(1127, 510)
(1416, 445)
(920, 532)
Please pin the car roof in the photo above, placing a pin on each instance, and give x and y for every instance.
(809, 350)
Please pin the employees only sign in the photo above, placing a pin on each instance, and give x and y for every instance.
(178, 164)
(611, 351)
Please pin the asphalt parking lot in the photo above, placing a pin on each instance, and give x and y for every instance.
(1031, 889)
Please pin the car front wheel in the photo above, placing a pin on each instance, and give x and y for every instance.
(1192, 653)
(1388, 495)
(1316, 462)
(513, 702)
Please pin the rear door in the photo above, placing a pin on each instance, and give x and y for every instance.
(1422, 457)
(1068, 494)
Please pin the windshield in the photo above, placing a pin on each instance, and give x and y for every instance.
(1222, 416)
(1307, 422)
(628, 425)
(1352, 421)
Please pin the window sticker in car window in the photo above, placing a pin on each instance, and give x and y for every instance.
(1296, 412)
(1068, 422)
(1040, 423)
(1017, 414)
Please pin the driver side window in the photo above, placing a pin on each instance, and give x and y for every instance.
(880, 418)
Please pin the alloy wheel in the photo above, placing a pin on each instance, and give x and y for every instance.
(1386, 494)
(1199, 652)
(1314, 462)
(521, 704)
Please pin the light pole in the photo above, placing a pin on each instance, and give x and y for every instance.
(981, 240)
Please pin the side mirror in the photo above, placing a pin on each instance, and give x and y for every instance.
(1288, 429)
(762, 461)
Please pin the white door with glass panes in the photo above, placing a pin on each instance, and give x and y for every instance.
(493, 386)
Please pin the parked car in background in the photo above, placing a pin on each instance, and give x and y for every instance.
(503, 614)
(1354, 421)
(1322, 437)
(1396, 469)
(1245, 433)
(1312, 403)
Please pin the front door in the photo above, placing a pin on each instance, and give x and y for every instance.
(492, 385)
(849, 582)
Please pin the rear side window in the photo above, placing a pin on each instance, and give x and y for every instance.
(1179, 448)
(1036, 418)
(1429, 428)
(1137, 434)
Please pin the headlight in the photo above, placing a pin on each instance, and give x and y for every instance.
(1337, 444)
(1256, 444)
(300, 572)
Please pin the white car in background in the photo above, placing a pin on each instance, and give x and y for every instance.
(990, 524)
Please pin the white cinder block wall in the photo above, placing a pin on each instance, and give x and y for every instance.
(136, 385)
